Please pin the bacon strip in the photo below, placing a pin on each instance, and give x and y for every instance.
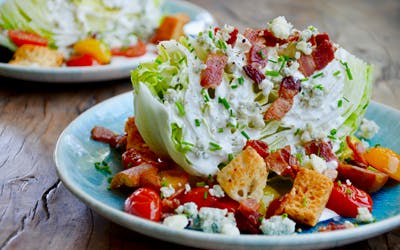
(107, 136)
(320, 148)
(211, 76)
(248, 217)
(258, 56)
(260, 146)
(287, 90)
(254, 74)
(283, 163)
(271, 40)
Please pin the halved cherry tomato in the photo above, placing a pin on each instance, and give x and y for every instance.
(131, 51)
(346, 199)
(20, 37)
(81, 60)
(385, 160)
(202, 198)
(145, 203)
(95, 48)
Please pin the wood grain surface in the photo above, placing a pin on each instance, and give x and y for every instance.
(38, 212)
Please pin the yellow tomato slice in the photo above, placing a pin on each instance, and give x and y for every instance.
(95, 48)
(385, 160)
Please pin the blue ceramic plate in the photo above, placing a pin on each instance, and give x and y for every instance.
(75, 155)
(119, 67)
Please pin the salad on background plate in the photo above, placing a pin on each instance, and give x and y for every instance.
(251, 132)
(73, 38)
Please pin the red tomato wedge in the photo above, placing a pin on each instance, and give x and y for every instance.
(131, 51)
(81, 60)
(20, 37)
(145, 203)
(346, 199)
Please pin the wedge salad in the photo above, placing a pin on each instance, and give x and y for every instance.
(79, 32)
(251, 132)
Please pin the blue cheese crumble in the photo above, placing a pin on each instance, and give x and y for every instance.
(215, 220)
(364, 215)
(368, 129)
(278, 225)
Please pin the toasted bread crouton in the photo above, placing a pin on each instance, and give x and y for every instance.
(28, 55)
(308, 196)
(171, 27)
(245, 176)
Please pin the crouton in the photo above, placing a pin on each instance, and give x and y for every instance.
(245, 176)
(308, 196)
(28, 55)
(171, 27)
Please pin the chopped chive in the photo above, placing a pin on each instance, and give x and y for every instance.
(182, 59)
(271, 73)
(304, 79)
(273, 61)
(336, 73)
(366, 105)
(220, 130)
(333, 132)
(282, 59)
(245, 134)
(205, 95)
(304, 202)
(224, 102)
(197, 122)
(339, 183)
(299, 157)
(187, 143)
(214, 146)
(210, 34)
(109, 180)
(297, 132)
(261, 54)
(191, 50)
(221, 44)
(319, 86)
(348, 191)
(340, 103)
(318, 75)
(332, 137)
(200, 184)
(234, 86)
(180, 107)
(230, 157)
(158, 61)
(231, 114)
(348, 72)
(347, 100)
(284, 216)
(102, 167)
(241, 80)
(205, 195)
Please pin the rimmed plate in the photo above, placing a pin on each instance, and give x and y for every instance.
(120, 67)
(75, 155)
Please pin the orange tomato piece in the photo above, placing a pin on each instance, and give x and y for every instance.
(385, 160)
(95, 48)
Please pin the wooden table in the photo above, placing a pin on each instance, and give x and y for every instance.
(36, 210)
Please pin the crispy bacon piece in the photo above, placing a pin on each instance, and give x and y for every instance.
(320, 148)
(136, 156)
(306, 65)
(248, 217)
(260, 146)
(211, 76)
(254, 36)
(276, 207)
(107, 136)
(254, 74)
(134, 139)
(258, 56)
(324, 52)
(282, 162)
(271, 40)
(136, 177)
(233, 37)
(288, 89)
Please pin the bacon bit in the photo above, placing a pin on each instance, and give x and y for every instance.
(283, 163)
(254, 36)
(306, 65)
(248, 217)
(320, 148)
(358, 153)
(107, 136)
(254, 74)
(276, 207)
(260, 146)
(211, 76)
(324, 51)
(136, 156)
(134, 139)
(132, 177)
(258, 56)
(271, 40)
(289, 87)
(233, 37)
(287, 90)
(171, 203)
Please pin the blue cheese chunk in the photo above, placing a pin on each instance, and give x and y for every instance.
(278, 225)
(215, 220)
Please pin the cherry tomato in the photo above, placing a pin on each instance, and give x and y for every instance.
(20, 37)
(145, 203)
(202, 197)
(81, 60)
(345, 199)
(132, 51)
(95, 48)
(385, 160)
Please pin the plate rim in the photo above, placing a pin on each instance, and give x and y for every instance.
(208, 240)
